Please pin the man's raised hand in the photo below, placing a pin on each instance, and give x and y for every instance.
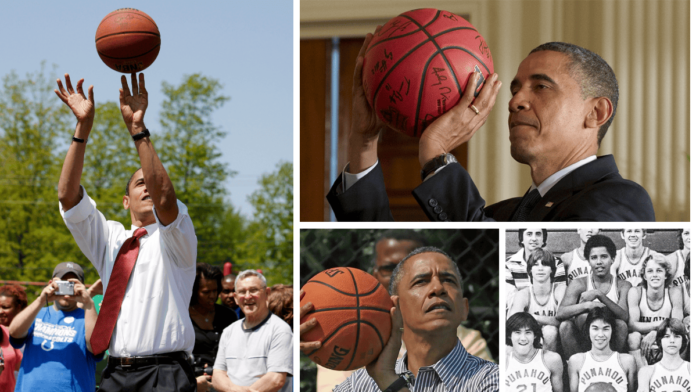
(133, 104)
(81, 106)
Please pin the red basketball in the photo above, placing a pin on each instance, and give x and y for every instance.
(128, 40)
(417, 67)
(353, 319)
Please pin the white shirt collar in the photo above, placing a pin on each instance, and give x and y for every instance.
(548, 183)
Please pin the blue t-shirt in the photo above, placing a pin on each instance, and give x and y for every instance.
(56, 356)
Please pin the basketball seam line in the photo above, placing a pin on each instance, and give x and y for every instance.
(401, 36)
(349, 308)
(396, 63)
(126, 32)
(343, 292)
(357, 303)
(420, 91)
(128, 58)
(338, 328)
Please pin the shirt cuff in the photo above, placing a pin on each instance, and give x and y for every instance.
(435, 172)
(348, 179)
(81, 211)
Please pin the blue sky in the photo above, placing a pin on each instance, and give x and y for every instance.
(246, 45)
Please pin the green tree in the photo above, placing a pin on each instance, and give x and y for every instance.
(271, 230)
(32, 234)
(189, 151)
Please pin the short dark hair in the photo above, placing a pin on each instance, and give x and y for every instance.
(677, 327)
(546, 259)
(399, 270)
(598, 241)
(210, 272)
(523, 320)
(603, 314)
(544, 233)
(593, 74)
(129, 181)
(680, 240)
(17, 293)
(399, 235)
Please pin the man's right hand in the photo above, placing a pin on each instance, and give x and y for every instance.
(365, 125)
(382, 369)
(81, 106)
(48, 292)
(307, 347)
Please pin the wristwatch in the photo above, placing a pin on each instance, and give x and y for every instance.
(141, 135)
(400, 382)
(436, 163)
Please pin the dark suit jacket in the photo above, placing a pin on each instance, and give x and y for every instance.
(593, 192)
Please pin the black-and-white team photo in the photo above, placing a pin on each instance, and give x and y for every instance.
(597, 310)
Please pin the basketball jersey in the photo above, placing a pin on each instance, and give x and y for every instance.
(613, 293)
(628, 271)
(665, 380)
(533, 376)
(548, 309)
(609, 371)
(679, 277)
(648, 315)
(579, 267)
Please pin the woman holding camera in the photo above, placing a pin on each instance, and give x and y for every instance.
(208, 319)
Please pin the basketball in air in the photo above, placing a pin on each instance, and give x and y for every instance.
(128, 40)
(418, 65)
(353, 318)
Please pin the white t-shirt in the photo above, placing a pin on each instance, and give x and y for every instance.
(247, 354)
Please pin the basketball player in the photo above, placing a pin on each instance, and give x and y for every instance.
(672, 373)
(575, 264)
(601, 363)
(630, 259)
(678, 258)
(541, 299)
(529, 367)
(649, 304)
(599, 289)
(516, 276)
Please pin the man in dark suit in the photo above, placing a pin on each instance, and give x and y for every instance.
(563, 100)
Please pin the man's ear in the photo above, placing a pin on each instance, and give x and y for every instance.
(126, 202)
(465, 309)
(600, 113)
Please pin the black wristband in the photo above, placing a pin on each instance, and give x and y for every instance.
(77, 139)
(397, 385)
(141, 135)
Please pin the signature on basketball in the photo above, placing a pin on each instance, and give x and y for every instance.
(483, 47)
(396, 26)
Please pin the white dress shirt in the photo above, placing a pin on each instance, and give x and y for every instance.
(548, 183)
(154, 315)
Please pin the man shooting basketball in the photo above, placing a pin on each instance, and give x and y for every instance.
(564, 99)
(429, 305)
(147, 271)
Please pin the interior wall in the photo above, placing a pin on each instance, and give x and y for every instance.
(645, 41)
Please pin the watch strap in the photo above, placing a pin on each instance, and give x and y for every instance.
(439, 161)
(141, 135)
(397, 385)
(77, 139)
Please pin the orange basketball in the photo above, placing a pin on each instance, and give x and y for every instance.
(353, 317)
(128, 40)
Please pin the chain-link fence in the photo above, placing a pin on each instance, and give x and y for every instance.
(474, 251)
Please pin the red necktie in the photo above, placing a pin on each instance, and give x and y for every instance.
(111, 304)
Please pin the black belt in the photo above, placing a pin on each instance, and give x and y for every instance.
(164, 358)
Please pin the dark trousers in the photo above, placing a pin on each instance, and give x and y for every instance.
(168, 377)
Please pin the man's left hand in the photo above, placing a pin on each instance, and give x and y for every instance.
(382, 369)
(81, 293)
(133, 105)
(647, 342)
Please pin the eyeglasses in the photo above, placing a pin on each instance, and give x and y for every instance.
(386, 270)
(251, 291)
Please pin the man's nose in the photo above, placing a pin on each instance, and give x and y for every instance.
(518, 102)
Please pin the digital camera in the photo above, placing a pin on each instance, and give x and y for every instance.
(65, 288)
